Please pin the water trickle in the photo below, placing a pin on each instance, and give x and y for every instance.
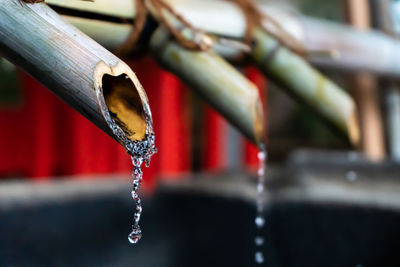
(259, 219)
(351, 176)
(259, 257)
(140, 151)
(259, 241)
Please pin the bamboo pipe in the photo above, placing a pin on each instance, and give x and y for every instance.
(348, 125)
(346, 122)
(111, 35)
(347, 49)
(292, 73)
(352, 50)
(74, 67)
(221, 85)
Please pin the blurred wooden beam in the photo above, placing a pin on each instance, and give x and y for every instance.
(364, 87)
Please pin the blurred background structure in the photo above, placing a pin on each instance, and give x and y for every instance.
(65, 184)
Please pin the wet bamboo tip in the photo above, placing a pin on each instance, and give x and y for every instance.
(124, 98)
(306, 84)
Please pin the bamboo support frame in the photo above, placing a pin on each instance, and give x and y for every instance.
(289, 70)
(73, 66)
(345, 119)
(221, 85)
(353, 50)
(119, 31)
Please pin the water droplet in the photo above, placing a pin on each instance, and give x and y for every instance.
(135, 235)
(259, 240)
(260, 188)
(259, 257)
(262, 155)
(259, 221)
(351, 176)
(352, 156)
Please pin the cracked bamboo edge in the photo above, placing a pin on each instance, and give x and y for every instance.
(133, 122)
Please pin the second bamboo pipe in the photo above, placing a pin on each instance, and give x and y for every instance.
(299, 78)
(216, 81)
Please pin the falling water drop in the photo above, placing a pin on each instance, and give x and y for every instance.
(260, 188)
(352, 156)
(259, 221)
(135, 235)
(351, 176)
(259, 240)
(259, 257)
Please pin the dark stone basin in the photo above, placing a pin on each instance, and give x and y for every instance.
(203, 222)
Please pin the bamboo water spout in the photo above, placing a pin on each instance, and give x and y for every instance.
(300, 79)
(74, 67)
(221, 85)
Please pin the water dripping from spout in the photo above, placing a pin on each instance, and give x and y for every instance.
(140, 151)
(352, 175)
(259, 219)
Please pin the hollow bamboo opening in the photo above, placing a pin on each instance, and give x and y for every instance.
(125, 106)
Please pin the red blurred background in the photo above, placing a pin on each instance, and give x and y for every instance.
(43, 138)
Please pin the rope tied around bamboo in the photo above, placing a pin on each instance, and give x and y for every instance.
(200, 40)
(137, 27)
(254, 18)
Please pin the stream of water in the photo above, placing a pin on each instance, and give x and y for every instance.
(259, 219)
(140, 151)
